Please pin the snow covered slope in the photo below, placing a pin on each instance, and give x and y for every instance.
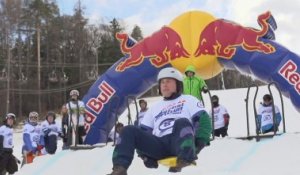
(225, 156)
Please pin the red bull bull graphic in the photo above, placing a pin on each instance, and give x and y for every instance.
(221, 37)
(107, 98)
(279, 65)
(252, 51)
(162, 47)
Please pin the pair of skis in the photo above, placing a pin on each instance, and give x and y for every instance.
(72, 130)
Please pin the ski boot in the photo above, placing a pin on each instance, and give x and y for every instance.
(118, 170)
(179, 165)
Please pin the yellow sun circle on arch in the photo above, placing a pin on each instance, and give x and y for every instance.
(189, 26)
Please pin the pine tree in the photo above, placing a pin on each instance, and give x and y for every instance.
(109, 49)
(137, 33)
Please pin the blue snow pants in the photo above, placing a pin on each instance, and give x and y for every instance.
(51, 144)
(179, 143)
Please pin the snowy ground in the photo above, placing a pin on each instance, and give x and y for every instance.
(225, 156)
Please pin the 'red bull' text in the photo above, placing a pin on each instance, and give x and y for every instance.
(96, 104)
(288, 72)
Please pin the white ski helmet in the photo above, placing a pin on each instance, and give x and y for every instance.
(74, 92)
(10, 115)
(171, 72)
(33, 117)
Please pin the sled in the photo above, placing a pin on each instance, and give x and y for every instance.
(28, 157)
(266, 136)
(86, 147)
(172, 162)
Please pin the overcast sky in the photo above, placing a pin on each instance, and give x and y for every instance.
(151, 15)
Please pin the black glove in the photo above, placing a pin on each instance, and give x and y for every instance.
(46, 131)
(199, 144)
(61, 135)
(149, 162)
(17, 160)
(205, 89)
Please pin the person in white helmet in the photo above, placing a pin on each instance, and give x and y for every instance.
(33, 138)
(8, 162)
(76, 117)
(178, 125)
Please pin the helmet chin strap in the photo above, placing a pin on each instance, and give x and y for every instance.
(73, 99)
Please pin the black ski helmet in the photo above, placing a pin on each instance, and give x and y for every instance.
(215, 98)
(51, 113)
(267, 97)
(215, 101)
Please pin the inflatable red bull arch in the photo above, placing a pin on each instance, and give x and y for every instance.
(195, 38)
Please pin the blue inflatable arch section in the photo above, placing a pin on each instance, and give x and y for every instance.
(106, 98)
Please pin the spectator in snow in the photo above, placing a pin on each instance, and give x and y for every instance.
(115, 134)
(76, 116)
(33, 138)
(221, 118)
(51, 131)
(192, 84)
(8, 162)
(143, 110)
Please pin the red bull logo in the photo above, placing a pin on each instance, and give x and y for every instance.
(97, 104)
(289, 72)
(162, 47)
(221, 37)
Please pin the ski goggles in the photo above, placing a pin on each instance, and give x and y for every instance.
(33, 118)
